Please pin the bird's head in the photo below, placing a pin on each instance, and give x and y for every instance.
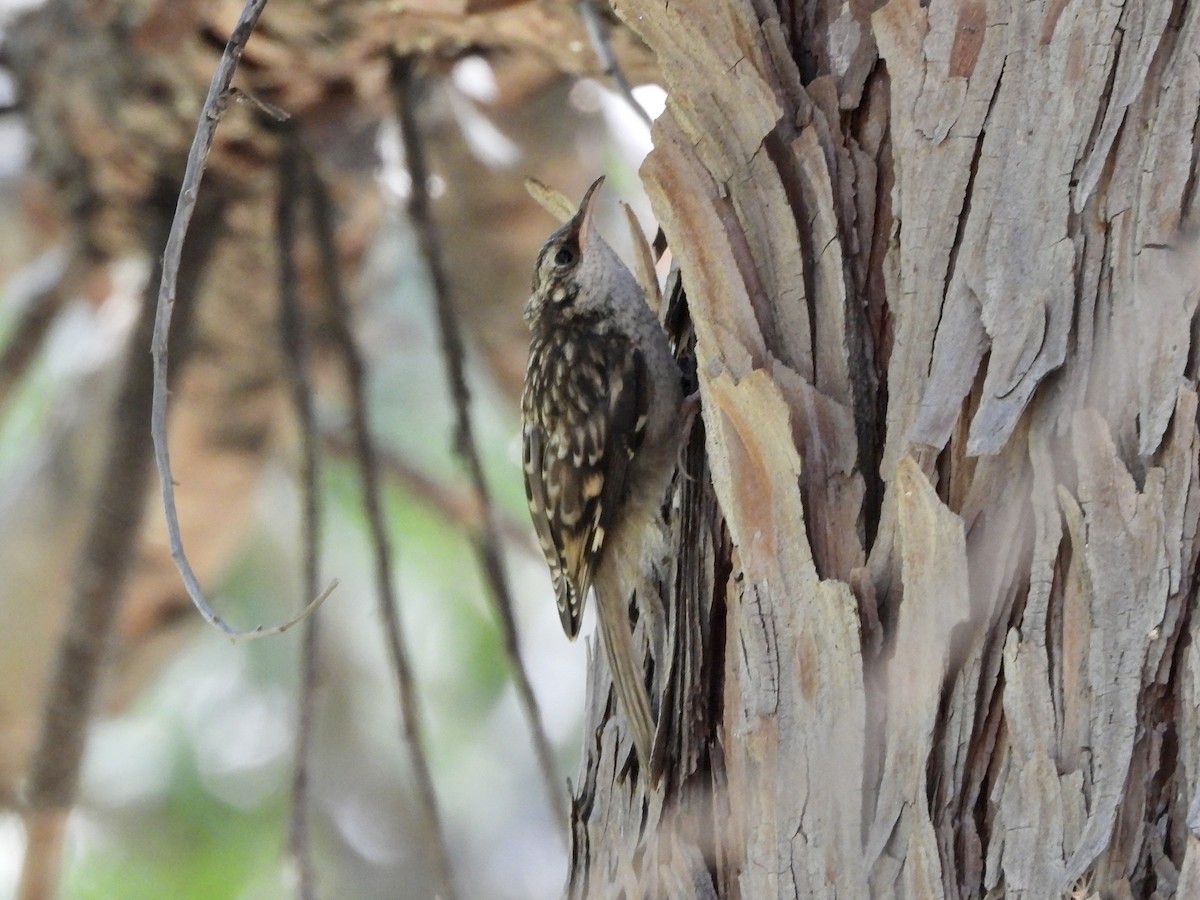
(577, 273)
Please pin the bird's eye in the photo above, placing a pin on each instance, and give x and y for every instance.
(564, 257)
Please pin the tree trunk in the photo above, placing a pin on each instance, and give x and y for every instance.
(938, 640)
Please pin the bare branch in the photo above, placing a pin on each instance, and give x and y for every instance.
(270, 110)
(214, 107)
(295, 354)
(343, 336)
(101, 570)
(486, 540)
(598, 34)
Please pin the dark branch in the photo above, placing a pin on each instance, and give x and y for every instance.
(101, 571)
(214, 107)
(28, 335)
(295, 355)
(598, 35)
(486, 539)
(347, 346)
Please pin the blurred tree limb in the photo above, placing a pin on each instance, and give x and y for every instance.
(111, 100)
(101, 571)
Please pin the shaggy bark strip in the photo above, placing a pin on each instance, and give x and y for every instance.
(1030, 307)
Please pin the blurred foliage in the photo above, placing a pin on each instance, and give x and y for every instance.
(186, 793)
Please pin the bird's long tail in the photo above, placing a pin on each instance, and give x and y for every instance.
(613, 612)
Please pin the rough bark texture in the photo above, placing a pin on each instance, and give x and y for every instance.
(944, 310)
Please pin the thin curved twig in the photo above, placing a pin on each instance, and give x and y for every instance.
(486, 539)
(343, 337)
(214, 107)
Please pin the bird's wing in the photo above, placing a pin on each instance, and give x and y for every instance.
(576, 462)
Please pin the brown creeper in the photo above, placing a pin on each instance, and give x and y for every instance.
(602, 427)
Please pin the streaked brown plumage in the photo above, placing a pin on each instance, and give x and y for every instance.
(601, 428)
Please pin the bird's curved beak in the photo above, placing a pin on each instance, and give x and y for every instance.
(581, 223)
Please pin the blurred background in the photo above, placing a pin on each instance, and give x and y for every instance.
(185, 787)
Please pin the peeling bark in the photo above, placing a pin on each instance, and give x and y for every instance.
(948, 240)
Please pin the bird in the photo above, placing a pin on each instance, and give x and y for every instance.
(602, 425)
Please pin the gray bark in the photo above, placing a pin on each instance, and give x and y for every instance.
(937, 261)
